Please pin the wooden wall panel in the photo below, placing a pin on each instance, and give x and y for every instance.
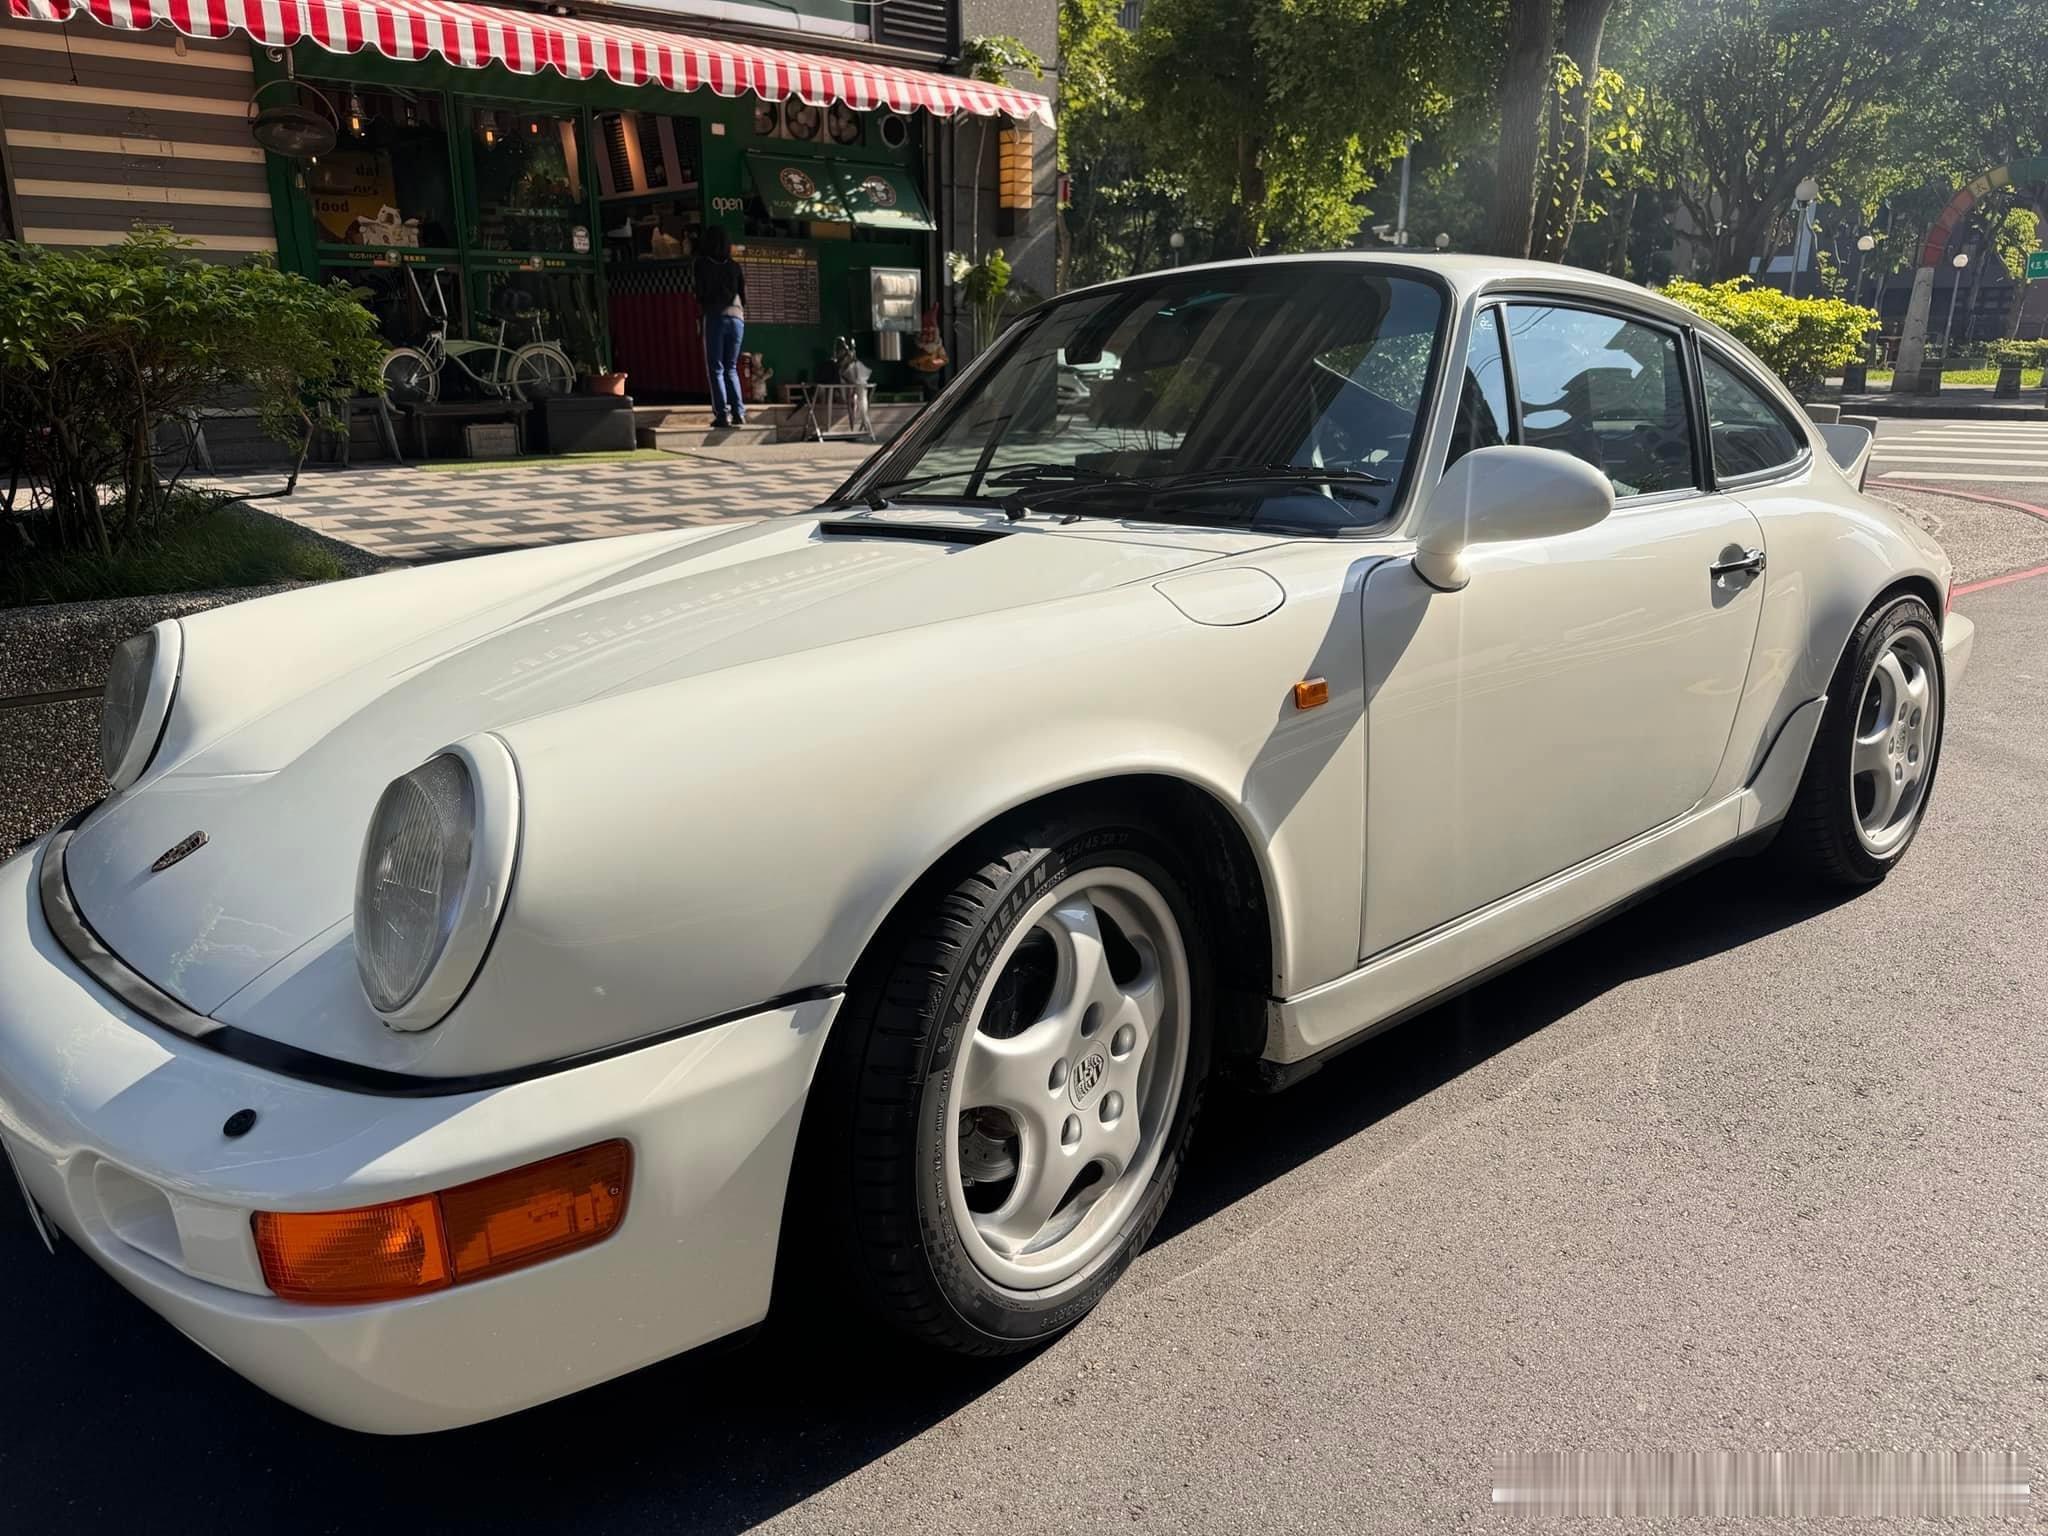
(100, 130)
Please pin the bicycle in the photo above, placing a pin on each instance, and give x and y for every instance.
(533, 372)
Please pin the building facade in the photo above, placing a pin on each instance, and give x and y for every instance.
(548, 172)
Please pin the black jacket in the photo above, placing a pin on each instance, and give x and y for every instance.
(719, 283)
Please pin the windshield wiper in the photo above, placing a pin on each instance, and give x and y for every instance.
(1270, 474)
(1352, 484)
(877, 498)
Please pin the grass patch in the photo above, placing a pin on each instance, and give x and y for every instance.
(214, 547)
(2030, 378)
(543, 460)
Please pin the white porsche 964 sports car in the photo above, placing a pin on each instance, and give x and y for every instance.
(484, 980)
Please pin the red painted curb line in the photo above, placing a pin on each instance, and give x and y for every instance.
(1995, 501)
(2010, 577)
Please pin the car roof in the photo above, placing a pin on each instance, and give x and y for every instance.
(1467, 275)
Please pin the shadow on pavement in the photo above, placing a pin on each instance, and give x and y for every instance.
(107, 1418)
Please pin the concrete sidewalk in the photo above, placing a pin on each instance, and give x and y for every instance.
(413, 513)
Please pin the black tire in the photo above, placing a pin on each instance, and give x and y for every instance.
(867, 1203)
(1820, 841)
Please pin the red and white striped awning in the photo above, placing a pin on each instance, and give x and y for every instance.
(527, 42)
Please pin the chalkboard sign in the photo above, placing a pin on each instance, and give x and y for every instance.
(782, 283)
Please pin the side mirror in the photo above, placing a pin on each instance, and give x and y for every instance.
(1493, 495)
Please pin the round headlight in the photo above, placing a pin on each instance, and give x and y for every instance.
(140, 681)
(433, 879)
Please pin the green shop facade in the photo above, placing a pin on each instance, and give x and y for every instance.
(521, 208)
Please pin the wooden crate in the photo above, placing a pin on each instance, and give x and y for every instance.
(491, 440)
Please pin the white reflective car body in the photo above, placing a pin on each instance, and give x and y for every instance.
(737, 750)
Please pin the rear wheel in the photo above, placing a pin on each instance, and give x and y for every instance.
(1871, 772)
(1004, 1116)
(540, 371)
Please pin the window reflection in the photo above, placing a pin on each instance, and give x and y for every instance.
(529, 181)
(386, 182)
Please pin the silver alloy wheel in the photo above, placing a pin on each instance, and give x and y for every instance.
(1057, 1121)
(1898, 724)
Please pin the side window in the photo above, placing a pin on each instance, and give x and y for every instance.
(1483, 397)
(1606, 390)
(1748, 431)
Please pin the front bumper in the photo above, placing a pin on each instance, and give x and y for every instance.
(1958, 639)
(116, 1127)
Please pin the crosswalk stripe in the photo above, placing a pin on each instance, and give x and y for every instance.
(1923, 474)
(1958, 458)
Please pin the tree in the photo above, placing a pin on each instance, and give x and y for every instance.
(1747, 97)
(99, 348)
(1122, 204)
(1524, 89)
(1276, 143)
(1574, 101)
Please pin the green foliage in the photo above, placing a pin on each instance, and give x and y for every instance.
(986, 283)
(2014, 233)
(1802, 340)
(100, 349)
(1124, 202)
(201, 545)
(2027, 354)
(994, 58)
(1744, 98)
(1279, 113)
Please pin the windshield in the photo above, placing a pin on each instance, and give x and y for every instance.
(1221, 392)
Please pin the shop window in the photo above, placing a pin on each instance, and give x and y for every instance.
(650, 193)
(557, 306)
(529, 181)
(386, 182)
(409, 301)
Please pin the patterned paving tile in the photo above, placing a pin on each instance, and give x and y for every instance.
(410, 514)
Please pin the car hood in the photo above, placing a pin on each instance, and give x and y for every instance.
(284, 796)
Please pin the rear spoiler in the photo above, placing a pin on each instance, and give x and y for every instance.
(1849, 446)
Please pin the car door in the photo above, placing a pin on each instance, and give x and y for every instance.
(1581, 689)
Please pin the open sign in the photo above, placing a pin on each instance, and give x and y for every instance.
(727, 204)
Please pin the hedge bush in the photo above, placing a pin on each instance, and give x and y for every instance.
(100, 348)
(2028, 354)
(1802, 340)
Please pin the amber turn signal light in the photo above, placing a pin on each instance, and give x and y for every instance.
(1310, 692)
(409, 1247)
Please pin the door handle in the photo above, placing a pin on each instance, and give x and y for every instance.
(1749, 563)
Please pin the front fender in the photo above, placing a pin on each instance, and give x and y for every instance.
(696, 848)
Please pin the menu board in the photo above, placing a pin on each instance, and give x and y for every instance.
(782, 283)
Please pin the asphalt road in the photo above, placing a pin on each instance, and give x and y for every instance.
(1741, 1170)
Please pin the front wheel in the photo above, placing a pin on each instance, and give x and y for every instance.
(540, 371)
(1871, 771)
(1006, 1112)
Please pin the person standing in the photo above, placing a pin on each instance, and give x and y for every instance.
(722, 296)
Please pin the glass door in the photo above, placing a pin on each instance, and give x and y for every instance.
(531, 266)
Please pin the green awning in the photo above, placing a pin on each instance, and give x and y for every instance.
(797, 187)
(883, 197)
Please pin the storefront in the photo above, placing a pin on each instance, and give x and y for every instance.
(526, 177)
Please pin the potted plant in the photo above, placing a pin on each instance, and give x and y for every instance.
(602, 381)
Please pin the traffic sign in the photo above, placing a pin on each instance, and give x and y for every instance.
(2037, 265)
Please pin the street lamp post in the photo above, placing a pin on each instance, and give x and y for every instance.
(1179, 243)
(1804, 196)
(1962, 260)
(1856, 373)
(1443, 241)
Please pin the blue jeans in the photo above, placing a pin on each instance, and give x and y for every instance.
(722, 335)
